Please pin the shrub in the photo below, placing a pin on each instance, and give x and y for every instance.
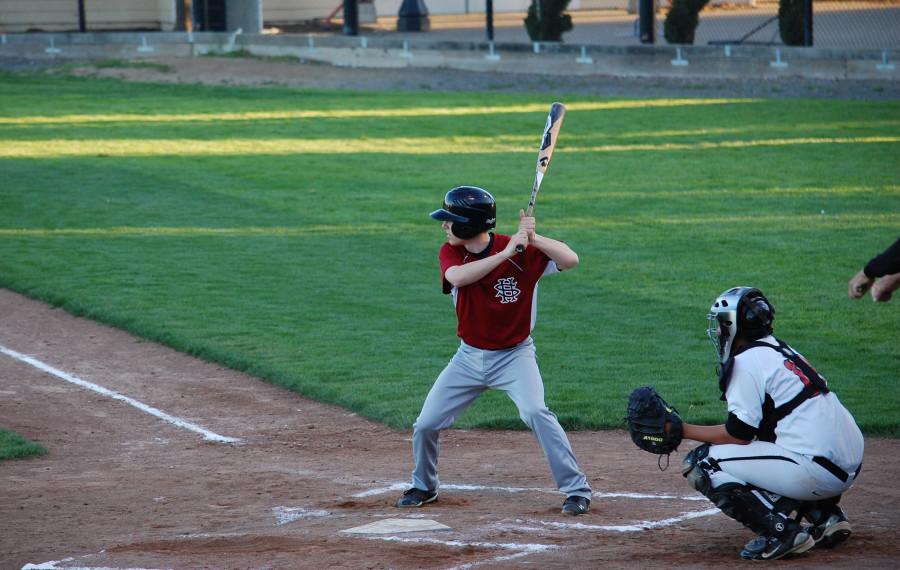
(682, 19)
(552, 22)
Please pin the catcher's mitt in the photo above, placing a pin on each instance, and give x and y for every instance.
(647, 416)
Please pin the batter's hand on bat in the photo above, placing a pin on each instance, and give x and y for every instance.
(527, 224)
(520, 238)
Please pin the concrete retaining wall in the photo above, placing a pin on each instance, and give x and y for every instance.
(739, 62)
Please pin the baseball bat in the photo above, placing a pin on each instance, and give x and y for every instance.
(548, 144)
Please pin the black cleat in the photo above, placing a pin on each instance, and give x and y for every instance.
(416, 498)
(834, 531)
(763, 548)
(576, 505)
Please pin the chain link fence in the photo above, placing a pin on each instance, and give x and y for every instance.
(839, 24)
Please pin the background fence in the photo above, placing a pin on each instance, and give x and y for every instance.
(841, 24)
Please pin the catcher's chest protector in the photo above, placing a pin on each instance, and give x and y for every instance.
(813, 385)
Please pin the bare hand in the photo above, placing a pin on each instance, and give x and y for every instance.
(515, 240)
(885, 287)
(858, 285)
(527, 224)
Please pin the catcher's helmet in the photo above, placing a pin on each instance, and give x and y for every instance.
(739, 312)
(471, 209)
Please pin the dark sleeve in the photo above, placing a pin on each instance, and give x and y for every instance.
(886, 263)
(737, 428)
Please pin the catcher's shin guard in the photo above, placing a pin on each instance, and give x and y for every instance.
(750, 507)
(761, 512)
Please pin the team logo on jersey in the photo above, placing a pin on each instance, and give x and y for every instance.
(507, 290)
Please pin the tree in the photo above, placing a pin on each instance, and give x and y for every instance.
(682, 19)
(546, 22)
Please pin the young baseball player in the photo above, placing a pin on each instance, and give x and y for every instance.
(494, 290)
(788, 446)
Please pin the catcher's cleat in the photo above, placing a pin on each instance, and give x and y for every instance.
(576, 505)
(764, 548)
(416, 498)
(834, 531)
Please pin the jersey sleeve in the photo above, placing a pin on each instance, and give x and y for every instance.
(538, 263)
(746, 392)
(885, 263)
(448, 257)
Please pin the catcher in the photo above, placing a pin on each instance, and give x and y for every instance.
(788, 446)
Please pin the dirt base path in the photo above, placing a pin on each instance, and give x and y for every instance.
(122, 488)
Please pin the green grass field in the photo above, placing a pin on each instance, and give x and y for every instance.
(14, 446)
(284, 232)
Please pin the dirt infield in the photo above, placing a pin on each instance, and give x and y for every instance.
(124, 489)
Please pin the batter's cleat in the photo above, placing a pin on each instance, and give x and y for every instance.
(834, 531)
(764, 548)
(416, 498)
(576, 505)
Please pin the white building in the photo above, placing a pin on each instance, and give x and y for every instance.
(163, 15)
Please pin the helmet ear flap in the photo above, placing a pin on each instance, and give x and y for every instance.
(464, 231)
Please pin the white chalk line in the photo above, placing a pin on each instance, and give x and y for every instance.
(178, 422)
(52, 565)
(643, 525)
(285, 515)
(521, 550)
(503, 558)
(393, 487)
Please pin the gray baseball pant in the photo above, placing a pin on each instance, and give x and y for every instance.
(470, 372)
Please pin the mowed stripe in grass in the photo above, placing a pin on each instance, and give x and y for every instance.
(56, 148)
(284, 232)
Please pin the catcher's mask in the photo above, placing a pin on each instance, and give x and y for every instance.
(739, 312)
(471, 209)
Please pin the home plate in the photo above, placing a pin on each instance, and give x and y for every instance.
(388, 526)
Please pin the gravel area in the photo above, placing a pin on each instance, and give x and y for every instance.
(266, 72)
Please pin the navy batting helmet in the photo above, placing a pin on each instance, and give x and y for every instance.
(471, 209)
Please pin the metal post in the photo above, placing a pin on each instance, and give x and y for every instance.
(489, 19)
(351, 18)
(180, 17)
(808, 23)
(82, 24)
(647, 14)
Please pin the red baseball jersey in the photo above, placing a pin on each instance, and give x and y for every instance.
(500, 309)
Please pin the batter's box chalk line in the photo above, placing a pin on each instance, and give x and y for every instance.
(394, 487)
(636, 527)
(285, 515)
(72, 379)
(518, 550)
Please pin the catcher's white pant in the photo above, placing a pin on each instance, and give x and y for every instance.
(470, 372)
(767, 466)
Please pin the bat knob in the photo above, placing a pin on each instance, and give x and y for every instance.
(520, 248)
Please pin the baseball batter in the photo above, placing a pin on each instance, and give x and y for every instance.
(494, 290)
(789, 445)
